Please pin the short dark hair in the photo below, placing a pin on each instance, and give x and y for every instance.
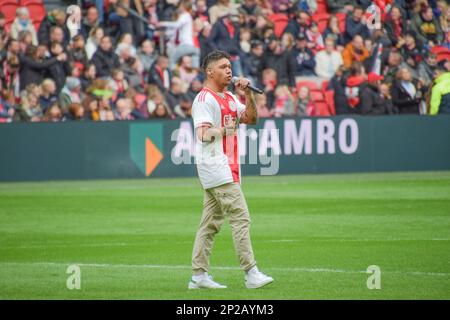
(213, 57)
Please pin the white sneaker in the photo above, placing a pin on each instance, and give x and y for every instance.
(255, 279)
(205, 282)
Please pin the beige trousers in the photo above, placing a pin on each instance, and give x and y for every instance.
(225, 201)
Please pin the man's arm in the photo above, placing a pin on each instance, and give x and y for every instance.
(250, 115)
(207, 133)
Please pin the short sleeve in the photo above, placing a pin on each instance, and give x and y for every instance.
(202, 112)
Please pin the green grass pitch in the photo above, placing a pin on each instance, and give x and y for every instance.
(315, 234)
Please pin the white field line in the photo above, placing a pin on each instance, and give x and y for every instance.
(186, 267)
(123, 244)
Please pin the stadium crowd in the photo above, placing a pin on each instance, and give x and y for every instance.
(140, 59)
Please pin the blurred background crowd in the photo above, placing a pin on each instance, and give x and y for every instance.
(140, 59)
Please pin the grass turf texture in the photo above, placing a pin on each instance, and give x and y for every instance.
(316, 235)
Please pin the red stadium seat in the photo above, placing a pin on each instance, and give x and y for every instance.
(341, 17)
(438, 49)
(322, 20)
(322, 6)
(324, 85)
(322, 109)
(26, 2)
(329, 98)
(37, 13)
(312, 85)
(443, 56)
(317, 95)
(8, 8)
(280, 21)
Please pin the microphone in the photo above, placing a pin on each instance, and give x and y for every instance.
(254, 89)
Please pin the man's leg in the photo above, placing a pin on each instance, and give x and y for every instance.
(234, 206)
(211, 221)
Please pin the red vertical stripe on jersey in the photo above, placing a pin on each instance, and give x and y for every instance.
(230, 144)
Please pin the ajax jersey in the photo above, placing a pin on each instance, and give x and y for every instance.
(217, 161)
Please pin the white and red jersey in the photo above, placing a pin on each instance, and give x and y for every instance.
(217, 161)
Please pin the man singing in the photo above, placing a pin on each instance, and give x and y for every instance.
(216, 113)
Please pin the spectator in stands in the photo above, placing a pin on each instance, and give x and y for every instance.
(346, 6)
(428, 30)
(128, 23)
(175, 93)
(261, 106)
(391, 66)
(195, 88)
(305, 106)
(333, 31)
(3, 32)
(9, 79)
(186, 72)
(126, 41)
(225, 34)
(221, 7)
(29, 108)
(12, 49)
(395, 25)
(147, 56)
(201, 10)
(182, 42)
(299, 25)
(57, 35)
(56, 17)
(252, 62)
(105, 59)
(59, 70)
(91, 20)
(204, 40)
(22, 22)
(91, 110)
(118, 84)
(315, 40)
(371, 99)
(411, 52)
(440, 94)
(88, 76)
(33, 67)
(251, 11)
(53, 113)
(356, 25)
(328, 60)
(77, 52)
(6, 111)
(427, 68)
(354, 51)
(281, 61)
(284, 102)
(269, 82)
(184, 108)
(405, 96)
(124, 109)
(385, 91)
(132, 69)
(95, 37)
(352, 88)
(76, 112)
(71, 93)
(160, 73)
(304, 58)
(161, 111)
(48, 95)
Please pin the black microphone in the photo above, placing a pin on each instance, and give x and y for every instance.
(254, 89)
